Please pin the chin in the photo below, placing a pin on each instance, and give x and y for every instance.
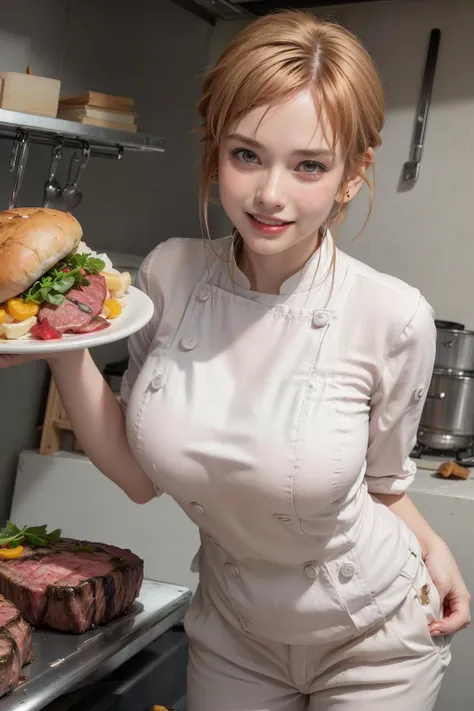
(267, 244)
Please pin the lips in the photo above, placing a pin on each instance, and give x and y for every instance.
(269, 220)
(267, 225)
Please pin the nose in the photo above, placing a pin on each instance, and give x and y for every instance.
(270, 191)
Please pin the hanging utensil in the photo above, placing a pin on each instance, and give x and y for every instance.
(52, 188)
(411, 168)
(72, 195)
(18, 159)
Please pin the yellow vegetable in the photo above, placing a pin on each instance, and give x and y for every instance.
(126, 280)
(20, 310)
(10, 553)
(114, 307)
(113, 281)
(3, 313)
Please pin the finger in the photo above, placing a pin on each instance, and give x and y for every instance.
(456, 621)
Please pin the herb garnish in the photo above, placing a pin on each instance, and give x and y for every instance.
(68, 274)
(35, 536)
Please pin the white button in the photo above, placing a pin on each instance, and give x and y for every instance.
(189, 342)
(320, 318)
(157, 382)
(232, 570)
(204, 294)
(419, 392)
(311, 571)
(197, 508)
(347, 570)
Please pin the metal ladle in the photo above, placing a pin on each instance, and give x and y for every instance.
(52, 188)
(72, 195)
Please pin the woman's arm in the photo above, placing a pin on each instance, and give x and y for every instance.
(440, 563)
(98, 422)
(404, 508)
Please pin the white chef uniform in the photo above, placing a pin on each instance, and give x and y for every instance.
(271, 420)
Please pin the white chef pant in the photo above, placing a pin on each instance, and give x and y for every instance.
(395, 667)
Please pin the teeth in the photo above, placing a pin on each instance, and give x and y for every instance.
(267, 222)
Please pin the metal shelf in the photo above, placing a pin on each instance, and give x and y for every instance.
(102, 141)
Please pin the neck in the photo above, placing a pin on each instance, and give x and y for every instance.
(266, 273)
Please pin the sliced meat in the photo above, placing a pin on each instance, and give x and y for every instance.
(15, 645)
(72, 586)
(97, 324)
(78, 308)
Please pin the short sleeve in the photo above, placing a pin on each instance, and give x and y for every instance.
(139, 342)
(397, 404)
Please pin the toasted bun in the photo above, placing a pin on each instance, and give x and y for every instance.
(32, 240)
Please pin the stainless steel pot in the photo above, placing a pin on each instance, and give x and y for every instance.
(443, 442)
(449, 407)
(455, 350)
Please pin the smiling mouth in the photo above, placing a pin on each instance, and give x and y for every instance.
(269, 221)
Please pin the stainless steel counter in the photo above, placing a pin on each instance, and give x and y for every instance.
(64, 662)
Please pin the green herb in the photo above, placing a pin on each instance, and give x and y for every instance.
(53, 285)
(35, 536)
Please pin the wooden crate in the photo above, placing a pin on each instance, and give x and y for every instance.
(29, 93)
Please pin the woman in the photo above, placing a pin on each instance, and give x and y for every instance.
(276, 396)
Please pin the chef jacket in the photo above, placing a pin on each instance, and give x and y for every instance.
(273, 420)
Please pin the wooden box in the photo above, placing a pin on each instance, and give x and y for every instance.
(29, 93)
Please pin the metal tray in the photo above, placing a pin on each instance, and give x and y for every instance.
(64, 662)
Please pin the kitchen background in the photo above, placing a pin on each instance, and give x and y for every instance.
(157, 53)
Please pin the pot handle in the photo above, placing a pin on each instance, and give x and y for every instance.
(438, 396)
(447, 344)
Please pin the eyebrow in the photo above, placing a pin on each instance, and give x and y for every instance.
(313, 152)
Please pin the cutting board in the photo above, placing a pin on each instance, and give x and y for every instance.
(97, 100)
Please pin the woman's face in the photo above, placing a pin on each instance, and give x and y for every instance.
(279, 175)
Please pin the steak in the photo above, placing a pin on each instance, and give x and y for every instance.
(15, 645)
(70, 585)
(79, 307)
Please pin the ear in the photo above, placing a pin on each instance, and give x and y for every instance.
(351, 187)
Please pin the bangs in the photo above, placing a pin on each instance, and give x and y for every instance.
(279, 56)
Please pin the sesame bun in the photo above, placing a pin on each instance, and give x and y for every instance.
(32, 240)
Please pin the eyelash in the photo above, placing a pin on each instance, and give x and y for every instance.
(236, 151)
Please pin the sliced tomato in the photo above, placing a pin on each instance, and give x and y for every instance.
(44, 331)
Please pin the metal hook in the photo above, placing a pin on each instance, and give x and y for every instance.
(20, 140)
(18, 160)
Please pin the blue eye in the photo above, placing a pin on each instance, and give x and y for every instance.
(245, 155)
(311, 167)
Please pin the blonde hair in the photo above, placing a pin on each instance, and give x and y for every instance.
(280, 55)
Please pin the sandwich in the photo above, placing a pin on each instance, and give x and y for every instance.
(51, 283)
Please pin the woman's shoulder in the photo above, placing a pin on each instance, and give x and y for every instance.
(389, 302)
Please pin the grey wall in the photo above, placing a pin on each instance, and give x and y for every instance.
(154, 52)
(424, 235)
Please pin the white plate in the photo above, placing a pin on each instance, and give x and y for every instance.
(136, 314)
